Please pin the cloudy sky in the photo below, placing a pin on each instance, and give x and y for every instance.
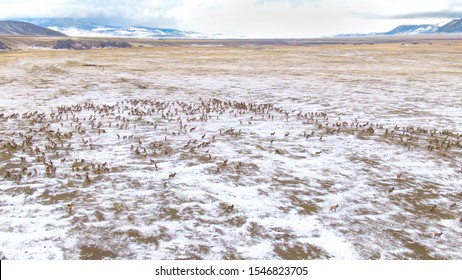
(247, 18)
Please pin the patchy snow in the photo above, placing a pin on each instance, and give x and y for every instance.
(172, 155)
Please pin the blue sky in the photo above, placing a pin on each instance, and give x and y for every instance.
(248, 18)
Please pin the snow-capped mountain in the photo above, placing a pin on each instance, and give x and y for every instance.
(454, 26)
(85, 28)
(413, 29)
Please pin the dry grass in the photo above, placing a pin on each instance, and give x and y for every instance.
(341, 79)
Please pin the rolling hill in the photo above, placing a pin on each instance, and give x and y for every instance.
(11, 27)
(455, 26)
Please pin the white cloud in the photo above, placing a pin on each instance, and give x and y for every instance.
(250, 18)
(134, 11)
(279, 18)
(273, 19)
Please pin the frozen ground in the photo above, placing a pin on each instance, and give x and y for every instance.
(232, 153)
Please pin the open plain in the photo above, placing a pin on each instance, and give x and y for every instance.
(232, 151)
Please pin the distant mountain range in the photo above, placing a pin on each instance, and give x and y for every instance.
(10, 27)
(85, 28)
(454, 26)
(413, 29)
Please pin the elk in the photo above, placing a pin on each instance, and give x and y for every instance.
(230, 208)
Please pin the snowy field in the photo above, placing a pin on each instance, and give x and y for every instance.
(319, 152)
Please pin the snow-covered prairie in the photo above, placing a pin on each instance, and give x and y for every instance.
(319, 152)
